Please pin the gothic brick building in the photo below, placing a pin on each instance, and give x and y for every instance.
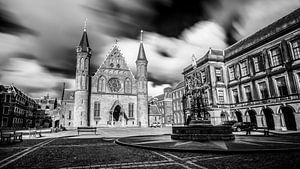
(112, 96)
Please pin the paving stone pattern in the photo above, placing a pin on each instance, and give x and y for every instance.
(103, 153)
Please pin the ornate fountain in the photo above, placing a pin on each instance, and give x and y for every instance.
(197, 125)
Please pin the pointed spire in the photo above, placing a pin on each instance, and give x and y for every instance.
(85, 25)
(116, 42)
(84, 42)
(141, 54)
(141, 36)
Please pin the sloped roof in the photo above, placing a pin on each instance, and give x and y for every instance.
(286, 22)
(84, 42)
(115, 57)
(141, 54)
(160, 97)
(154, 110)
(69, 95)
(216, 52)
(179, 85)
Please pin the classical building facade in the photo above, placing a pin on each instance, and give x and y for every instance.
(155, 116)
(67, 108)
(256, 79)
(113, 96)
(164, 105)
(51, 108)
(18, 110)
(209, 76)
(177, 106)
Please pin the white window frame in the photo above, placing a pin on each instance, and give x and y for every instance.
(286, 81)
(219, 96)
(244, 91)
(258, 89)
(229, 67)
(3, 120)
(291, 47)
(297, 78)
(232, 96)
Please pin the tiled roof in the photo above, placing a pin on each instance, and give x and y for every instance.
(69, 95)
(160, 97)
(154, 110)
(179, 85)
(216, 52)
(288, 21)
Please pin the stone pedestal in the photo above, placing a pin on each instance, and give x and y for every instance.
(202, 131)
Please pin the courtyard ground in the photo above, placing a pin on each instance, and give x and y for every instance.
(69, 150)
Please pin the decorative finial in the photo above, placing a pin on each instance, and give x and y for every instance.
(85, 25)
(194, 61)
(141, 38)
(116, 42)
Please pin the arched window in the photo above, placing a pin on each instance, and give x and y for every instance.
(82, 63)
(224, 116)
(83, 80)
(86, 64)
(101, 84)
(96, 109)
(127, 85)
(80, 82)
(130, 109)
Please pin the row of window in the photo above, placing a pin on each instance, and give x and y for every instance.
(202, 76)
(102, 83)
(177, 94)
(263, 90)
(177, 105)
(97, 110)
(17, 111)
(17, 122)
(83, 64)
(20, 99)
(178, 118)
(274, 55)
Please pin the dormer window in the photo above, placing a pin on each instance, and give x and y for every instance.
(111, 65)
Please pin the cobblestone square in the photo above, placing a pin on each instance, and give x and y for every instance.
(69, 150)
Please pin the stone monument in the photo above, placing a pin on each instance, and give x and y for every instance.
(198, 127)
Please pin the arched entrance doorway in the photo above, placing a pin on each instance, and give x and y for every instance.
(269, 118)
(239, 116)
(289, 118)
(252, 115)
(117, 113)
(224, 116)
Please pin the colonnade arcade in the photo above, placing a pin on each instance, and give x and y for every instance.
(275, 118)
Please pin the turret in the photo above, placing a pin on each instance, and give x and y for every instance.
(81, 108)
(142, 86)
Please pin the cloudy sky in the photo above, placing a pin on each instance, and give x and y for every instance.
(38, 37)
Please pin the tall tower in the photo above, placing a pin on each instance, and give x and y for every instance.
(142, 87)
(82, 93)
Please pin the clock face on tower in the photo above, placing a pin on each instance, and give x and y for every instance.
(114, 84)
